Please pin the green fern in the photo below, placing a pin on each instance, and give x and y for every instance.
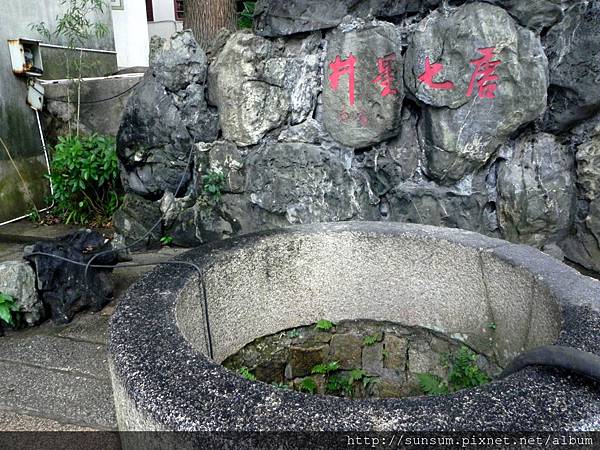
(324, 325)
(245, 372)
(308, 385)
(325, 368)
(432, 384)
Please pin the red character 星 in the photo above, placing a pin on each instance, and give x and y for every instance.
(386, 75)
(340, 67)
(431, 70)
(484, 74)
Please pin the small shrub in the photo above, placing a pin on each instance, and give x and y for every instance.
(432, 384)
(324, 325)
(308, 385)
(85, 175)
(245, 372)
(246, 19)
(213, 182)
(464, 373)
(7, 308)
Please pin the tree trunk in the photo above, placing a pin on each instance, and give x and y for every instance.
(207, 17)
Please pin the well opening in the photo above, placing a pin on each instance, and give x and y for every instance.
(454, 291)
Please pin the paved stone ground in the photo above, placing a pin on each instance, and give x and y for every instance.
(55, 378)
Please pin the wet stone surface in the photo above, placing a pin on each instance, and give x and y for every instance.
(354, 359)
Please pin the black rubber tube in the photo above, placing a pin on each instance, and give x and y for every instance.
(568, 358)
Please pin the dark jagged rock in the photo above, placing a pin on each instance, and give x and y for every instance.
(573, 50)
(165, 116)
(321, 187)
(137, 219)
(62, 285)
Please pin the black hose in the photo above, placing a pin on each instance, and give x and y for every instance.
(568, 358)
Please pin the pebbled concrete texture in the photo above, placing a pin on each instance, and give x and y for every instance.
(166, 381)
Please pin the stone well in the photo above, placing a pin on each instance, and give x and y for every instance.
(447, 280)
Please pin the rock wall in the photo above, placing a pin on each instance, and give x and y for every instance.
(478, 115)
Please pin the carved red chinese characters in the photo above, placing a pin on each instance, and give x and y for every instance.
(431, 70)
(484, 74)
(340, 67)
(386, 74)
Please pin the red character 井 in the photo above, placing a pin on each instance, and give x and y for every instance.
(484, 74)
(340, 67)
(431, 70)
(386, 75)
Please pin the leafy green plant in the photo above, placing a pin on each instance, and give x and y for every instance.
(324, 325)
(245, 372)
(280, 385)
(85, 175)
(465, 373)
(339, 383)
(7, 308)
(308, 385)
(492, 326)
(213, 182)
(325, 368)
(432, 384)
(246, 19)
(371, 340)
(166, 240)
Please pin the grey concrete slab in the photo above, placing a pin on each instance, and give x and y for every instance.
(50, 352)
(89, 327)
(68, 398)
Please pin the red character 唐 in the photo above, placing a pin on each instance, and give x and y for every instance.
(340, 67)
(484, 74)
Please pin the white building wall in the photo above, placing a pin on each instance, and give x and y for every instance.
(163, 10)
(131, 34)
(164, 24)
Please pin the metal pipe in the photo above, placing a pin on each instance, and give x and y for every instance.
(79, 49)
(46, 157)
(568, 358)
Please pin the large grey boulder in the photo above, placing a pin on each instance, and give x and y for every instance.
(17, 279)
(535, 15)
(584, 246)
(451, 65)
(362, 83)
(164, 117)
(257, 86)
(277, 18)
(573, 50)
(536, 190)
(282, 18)
(307, 183)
